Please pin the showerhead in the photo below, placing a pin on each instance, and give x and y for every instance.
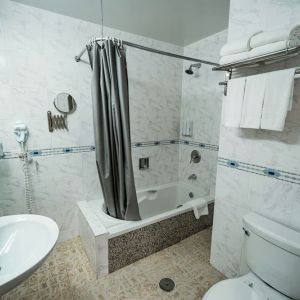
(190, 71)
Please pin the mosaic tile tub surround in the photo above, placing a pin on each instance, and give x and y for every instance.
(110, 254)
(128, 248)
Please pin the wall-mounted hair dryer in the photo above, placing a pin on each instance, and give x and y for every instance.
(21, 134)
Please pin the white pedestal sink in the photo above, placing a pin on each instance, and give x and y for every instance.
(25, 241)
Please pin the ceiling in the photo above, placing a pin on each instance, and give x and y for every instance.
(179, 22)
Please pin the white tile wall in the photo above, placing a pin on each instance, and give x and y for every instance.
(202, 103)
(237, 192)
(37, 50)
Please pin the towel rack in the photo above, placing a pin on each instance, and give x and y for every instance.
(259, 60)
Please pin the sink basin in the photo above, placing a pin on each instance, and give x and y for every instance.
(25, 241)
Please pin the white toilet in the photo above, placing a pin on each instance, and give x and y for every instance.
(273, 256)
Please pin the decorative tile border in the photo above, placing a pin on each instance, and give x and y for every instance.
(66, 150)
(78, 149)
(260, 170)
(154, 143)
(199, 144)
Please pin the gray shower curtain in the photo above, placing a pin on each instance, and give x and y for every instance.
(112, 129)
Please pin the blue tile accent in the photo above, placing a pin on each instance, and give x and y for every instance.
(271, 173)
(67, 150)
(232, 164)
(260, 170)
(35, 152)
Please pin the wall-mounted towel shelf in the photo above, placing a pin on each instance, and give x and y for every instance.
(259, 60)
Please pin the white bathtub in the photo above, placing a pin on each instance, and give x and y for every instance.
(156, 203)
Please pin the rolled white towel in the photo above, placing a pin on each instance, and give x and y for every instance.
(292, 36)
(268, 37)
(234, 58)
(268, 48)
(237, 46)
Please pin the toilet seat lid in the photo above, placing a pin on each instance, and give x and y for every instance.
(232, 289)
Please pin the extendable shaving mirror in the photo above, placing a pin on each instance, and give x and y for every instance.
(65, 103)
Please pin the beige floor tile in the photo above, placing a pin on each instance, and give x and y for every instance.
(66, 274)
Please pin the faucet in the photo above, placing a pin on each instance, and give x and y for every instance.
(192, 177)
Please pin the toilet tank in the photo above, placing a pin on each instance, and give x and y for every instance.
(273, 254)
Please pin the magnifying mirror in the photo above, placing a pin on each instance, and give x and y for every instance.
(65, 103)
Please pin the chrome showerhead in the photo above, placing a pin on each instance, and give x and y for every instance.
(190, 71)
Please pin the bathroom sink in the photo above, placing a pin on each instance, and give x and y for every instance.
(25, 241)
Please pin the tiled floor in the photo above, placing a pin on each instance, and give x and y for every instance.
(66, 274)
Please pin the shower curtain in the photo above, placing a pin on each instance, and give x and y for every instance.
(112, 129)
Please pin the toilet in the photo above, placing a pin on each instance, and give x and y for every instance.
(273, 256)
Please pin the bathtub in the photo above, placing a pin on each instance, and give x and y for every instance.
(166, 218)
(155, 203)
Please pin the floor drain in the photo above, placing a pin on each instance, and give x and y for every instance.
(167, 284)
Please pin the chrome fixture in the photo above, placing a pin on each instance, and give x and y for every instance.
(195, 156)
(192, 177)
(94, 40)
(56, 121)
(144, 163)
(190, 71)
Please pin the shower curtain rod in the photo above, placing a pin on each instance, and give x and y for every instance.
(78, 57)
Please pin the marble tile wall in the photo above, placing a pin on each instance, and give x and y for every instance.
(37, 50)
(247, 188)
(202, 103)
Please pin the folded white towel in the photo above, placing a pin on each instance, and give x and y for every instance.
(266, 49)
(237, 46)
(234, 58)
(253, 101)
(233, 102)
(200, 207)
(278, 99)
(267, 37)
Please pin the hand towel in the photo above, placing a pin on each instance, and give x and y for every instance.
(199, 206)
(278, 99)
(234, 58)
(237, 46)
(253, 101)
(233, 102)
(292, 36)
(266, 49)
